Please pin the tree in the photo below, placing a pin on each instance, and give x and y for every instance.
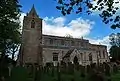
(115, 39)
(9, 25)
(9, 31)
(109, 10)
(115, 48)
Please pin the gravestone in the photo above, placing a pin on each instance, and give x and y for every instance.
(76, 66)
(58, 72)
(37, 73)
(82, 70)
(97, 76)
(70, 68)
(107, 69)
(101, 68)
(19, 74)
(5, 73)
(115, 68)
(63, 67)
(52, 70)
(88, 68)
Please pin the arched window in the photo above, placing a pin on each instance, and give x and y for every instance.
(90, 57)
(62, 42)
(72, 43)
(51, 41)
(81, 54)
(55, 56)
(32, 24)
(103, 54)
(75, 60)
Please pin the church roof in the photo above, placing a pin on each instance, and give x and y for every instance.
(33, 12)
(68, 53)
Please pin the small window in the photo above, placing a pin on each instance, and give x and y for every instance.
(99, 54)
(51, 41)
(32, 24)
(82, 44)
(90, 57)
(81, 54)
(55, 56)
(103, 54)
(72, 43)
(62, 42)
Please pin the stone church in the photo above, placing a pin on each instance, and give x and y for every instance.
(37, 48)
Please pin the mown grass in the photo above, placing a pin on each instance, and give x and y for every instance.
(74, 77)
(116, 77)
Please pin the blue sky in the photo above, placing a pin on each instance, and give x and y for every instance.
(46, 9)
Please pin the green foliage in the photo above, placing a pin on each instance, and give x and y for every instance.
(115, 48)
(108, 9)
(115, 39)
(115, 52)
(9, 25)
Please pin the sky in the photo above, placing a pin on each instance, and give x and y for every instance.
(89, 27)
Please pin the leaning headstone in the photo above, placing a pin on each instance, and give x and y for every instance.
(107, 69)
(100, 68)
(70, 68)
(5, 73)
(30, 71)
(76, 66)
(97, 76)
(18, 74)
(82, 70)
(52, 70)
(63, 67)
(37, 73)
(93, 65)
(58, 73)
(115, 68)
(88, 68)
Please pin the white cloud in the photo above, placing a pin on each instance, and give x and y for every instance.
(76, 28)
(21, 18)
(103, 41)
(56, 26)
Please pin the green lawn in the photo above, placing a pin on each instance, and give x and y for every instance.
(116, 77)
(76, 77)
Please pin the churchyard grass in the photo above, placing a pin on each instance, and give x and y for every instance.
(80, 73)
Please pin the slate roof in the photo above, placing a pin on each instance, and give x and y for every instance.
(68, 53)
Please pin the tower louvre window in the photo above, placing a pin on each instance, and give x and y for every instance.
(32, 24)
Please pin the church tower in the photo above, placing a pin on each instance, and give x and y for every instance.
(31, 49)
